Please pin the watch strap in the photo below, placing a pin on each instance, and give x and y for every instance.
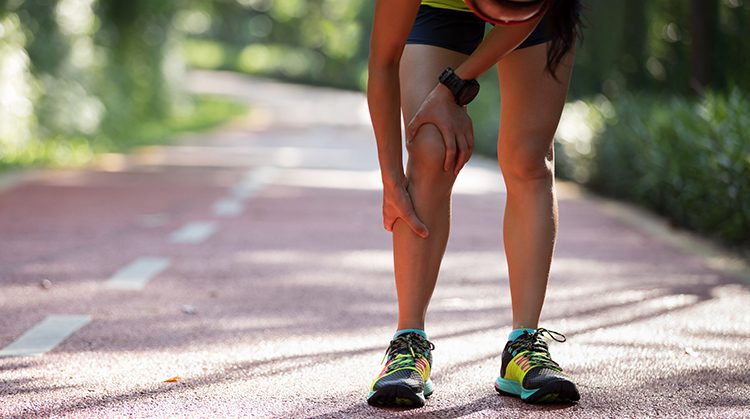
(457, 86)
(451, 81)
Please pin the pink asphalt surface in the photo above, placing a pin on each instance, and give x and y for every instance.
(294, 297)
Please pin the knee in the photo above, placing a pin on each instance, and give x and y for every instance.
(427, 152)
(526, 164)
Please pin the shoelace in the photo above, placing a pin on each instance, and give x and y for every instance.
(403, 351)
(538, 351)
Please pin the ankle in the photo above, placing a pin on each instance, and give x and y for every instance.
(419, 331)
(518, 332)
(410, 324)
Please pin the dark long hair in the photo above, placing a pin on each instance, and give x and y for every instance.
(564, 18)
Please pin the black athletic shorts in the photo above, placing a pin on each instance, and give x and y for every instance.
(460, 31)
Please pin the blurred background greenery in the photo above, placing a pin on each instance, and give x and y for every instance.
(79, 77)
(657, 112)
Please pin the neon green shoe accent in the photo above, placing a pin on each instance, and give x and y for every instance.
(529, 372)
(405, 378)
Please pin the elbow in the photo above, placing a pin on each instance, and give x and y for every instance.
(384, 59)
(382, 66)
(382, 69)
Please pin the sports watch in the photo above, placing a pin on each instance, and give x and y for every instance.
(464, 91)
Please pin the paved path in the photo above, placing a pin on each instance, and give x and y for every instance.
(250, 262)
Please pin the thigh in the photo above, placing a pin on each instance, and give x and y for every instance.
(531, 103)
(419, 70)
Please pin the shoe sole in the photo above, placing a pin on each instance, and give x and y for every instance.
(396, 395)
(559, 391)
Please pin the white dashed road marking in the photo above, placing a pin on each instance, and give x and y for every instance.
(253, 181)
(45, 335)
(152, 220)
(194, 232)
(228, 207)
(136, 275)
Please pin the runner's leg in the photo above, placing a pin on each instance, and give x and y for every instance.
(417, 260)
(531, 104)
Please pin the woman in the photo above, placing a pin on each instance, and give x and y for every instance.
(415, 47)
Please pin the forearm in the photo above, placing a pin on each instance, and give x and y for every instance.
(384, 103)
(499, 42)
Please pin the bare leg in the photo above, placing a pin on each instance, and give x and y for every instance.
(417, 260)
(531, 104)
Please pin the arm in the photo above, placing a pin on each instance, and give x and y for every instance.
(440, 108)
(391, 25)
(392, 22)
(498, 43)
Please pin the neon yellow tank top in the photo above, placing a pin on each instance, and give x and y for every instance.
(447, 4)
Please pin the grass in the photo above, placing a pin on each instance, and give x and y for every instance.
(61, 151)
(208, 112)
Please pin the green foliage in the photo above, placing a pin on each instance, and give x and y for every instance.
(205, 54)
(72, 151)
(203, 113)
(60, 50)
(137, 79)
(628, 44)
(665, 46)
(689, 160)
(322, 42)
(485, 113)
(83, 76)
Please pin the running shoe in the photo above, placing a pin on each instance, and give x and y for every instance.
(405, 379)
(528, 371)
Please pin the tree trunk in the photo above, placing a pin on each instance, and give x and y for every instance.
(704, 15)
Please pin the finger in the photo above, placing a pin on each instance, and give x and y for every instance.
(470, 138)
(450, 151)
(463, 154)
(416, 225)
(410, 217)
(388, 223)
(469, 142)
(413, 127)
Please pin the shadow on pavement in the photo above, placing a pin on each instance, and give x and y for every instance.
(305, 274)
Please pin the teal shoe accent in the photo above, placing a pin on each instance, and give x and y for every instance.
(405, 331)
(428, 387)
(513, 388)
(516, 333)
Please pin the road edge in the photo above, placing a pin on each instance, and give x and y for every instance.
(16, 177)
(712, 254)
